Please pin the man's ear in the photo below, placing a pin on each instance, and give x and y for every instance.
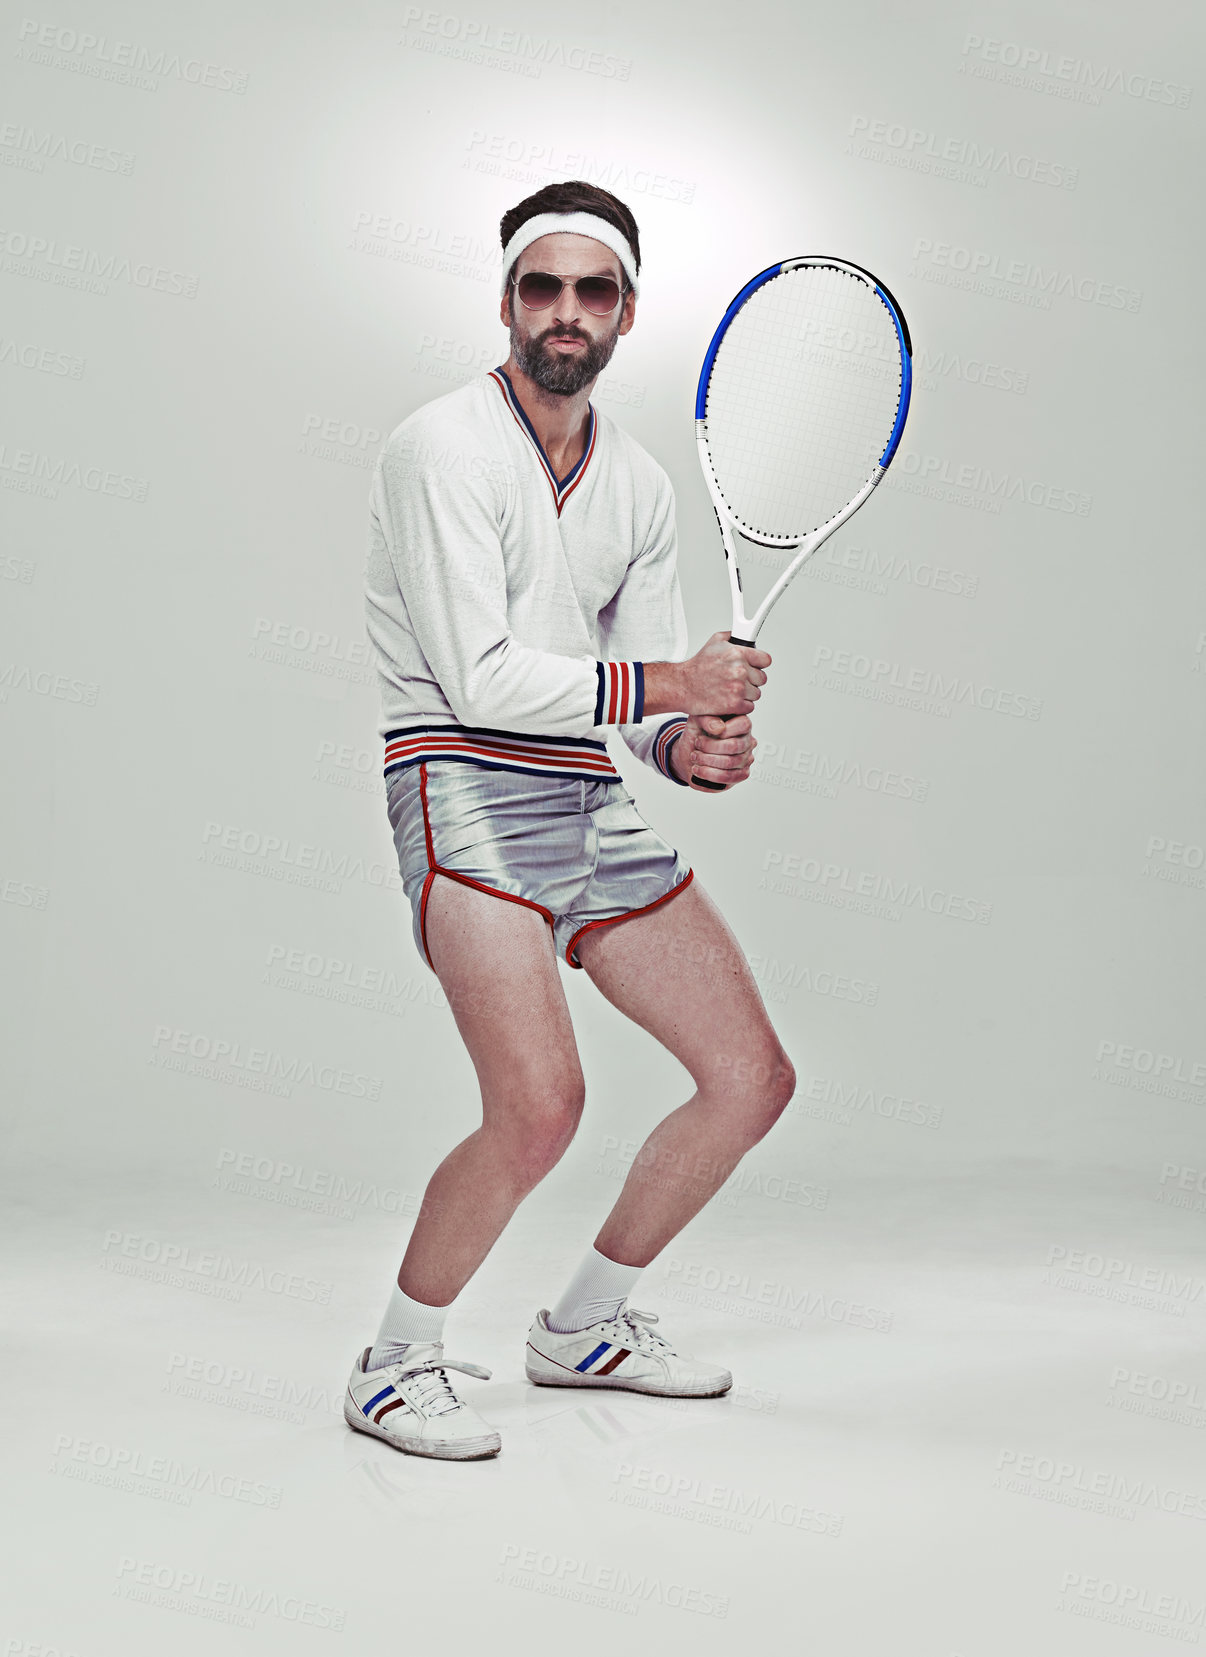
(628, 313)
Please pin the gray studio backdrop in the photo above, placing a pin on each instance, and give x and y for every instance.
(240, 244)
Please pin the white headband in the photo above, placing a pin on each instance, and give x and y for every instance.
(574, 224)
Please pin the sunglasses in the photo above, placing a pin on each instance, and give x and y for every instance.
(598, 294)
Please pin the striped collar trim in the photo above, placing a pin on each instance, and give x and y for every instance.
(562, 489)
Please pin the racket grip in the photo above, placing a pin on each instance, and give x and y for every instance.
(702, 782)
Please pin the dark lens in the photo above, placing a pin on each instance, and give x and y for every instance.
(598, 293)
(538, 289)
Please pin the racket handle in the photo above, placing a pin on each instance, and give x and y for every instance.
(702, 782)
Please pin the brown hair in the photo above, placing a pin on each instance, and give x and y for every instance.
(575, 195)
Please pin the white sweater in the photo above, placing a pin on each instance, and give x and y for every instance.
(510, 613)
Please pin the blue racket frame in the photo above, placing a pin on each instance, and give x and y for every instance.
(744, 629)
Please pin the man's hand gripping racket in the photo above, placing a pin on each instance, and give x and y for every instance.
(801, 403)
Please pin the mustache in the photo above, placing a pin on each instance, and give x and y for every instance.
(563, 333)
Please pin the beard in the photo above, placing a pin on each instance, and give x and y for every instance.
(562, 376)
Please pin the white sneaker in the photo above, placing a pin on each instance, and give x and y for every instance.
(412, 1406)
(620, 1352)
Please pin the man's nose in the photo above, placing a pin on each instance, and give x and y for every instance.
(566, 307)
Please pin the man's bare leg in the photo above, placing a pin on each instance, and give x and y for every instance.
(679, 972)
(496, 965)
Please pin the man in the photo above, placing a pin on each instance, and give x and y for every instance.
(522, 600)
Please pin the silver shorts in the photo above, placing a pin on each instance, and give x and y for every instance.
(575, 849)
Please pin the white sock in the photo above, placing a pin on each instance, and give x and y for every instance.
(405, 1321)
(596, 1292)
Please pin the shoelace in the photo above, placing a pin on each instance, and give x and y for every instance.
(629, 1322)
(433, 1391)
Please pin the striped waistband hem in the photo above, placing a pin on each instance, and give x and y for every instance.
(500, 751)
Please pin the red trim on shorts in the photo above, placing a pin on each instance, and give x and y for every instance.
(431, 862)
(423, 916)
(610, 920)
(434, 869)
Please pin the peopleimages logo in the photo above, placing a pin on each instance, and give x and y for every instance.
(684, 1496)
(1132, 1605)
(472, 41)
(125, 1467)
(228, 846)
(862, 570)
(970, 475)
(765, 1299)
(840, 1099)
(311, 650)
(50, 473)
(933, 366)
(1175, 1075)
(1177, 861)
(790, 873)
(670, 1169)
(236, 1387)
(41, 682)
(345, 441)
(35, 148)
(224, 1056)
(26, 894)
(293, 1184)
(1161, 1389)
(180, 1265)
(978, 269)
(44, 359)
(1184, 1176)
(39, 254)
(119, 60)
(943, 691)
(430, 246)
(964, 160)
(328, 978)
(435, 239)
(1078, 79)
(778, 978)
(550, 160)
(1110, 1278)
(592, 1582)
(1133, 1492)
(218, 1599)
(819, 773)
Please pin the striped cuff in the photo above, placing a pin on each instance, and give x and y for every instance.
(663, 743)
(621, 697)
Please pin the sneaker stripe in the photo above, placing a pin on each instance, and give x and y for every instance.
(606, 1369)
(603, 1346)
(398, 1404)
(384, 1393)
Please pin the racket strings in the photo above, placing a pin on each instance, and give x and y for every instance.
(802, 399)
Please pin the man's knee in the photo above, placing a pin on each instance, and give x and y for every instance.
(758, 1083)
(538, 1126)
(783, 1084)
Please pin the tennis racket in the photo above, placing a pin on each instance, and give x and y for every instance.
(801, 403)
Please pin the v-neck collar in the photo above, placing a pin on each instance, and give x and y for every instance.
(562, 489)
